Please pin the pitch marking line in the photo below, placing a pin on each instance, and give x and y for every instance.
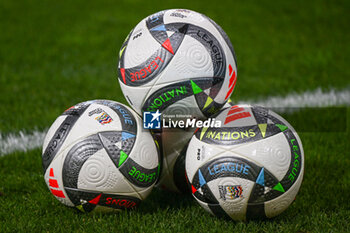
(21, 141)
(27, 141)
(316, 98)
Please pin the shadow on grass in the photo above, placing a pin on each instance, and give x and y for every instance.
(161, 200)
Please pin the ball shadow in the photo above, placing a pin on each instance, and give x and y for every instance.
(162, 199)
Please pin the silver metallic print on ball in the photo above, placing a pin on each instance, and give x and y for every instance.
(167, 58)
(251, 167)
(103, 161)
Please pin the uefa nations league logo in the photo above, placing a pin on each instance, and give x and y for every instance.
(151, 120)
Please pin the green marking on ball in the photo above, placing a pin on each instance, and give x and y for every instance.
(279, 187)
(196, 89)
(122, 158)
(282, 127)
(208, 102)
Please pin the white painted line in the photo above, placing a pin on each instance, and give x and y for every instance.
(23, 142)
(316, 98)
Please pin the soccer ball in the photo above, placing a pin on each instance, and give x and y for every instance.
(173, 144)
(177, 61)
(251, 167)
(96, 156)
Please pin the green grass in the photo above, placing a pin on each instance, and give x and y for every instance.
(62, 53)
(56, 54)
(320, 206)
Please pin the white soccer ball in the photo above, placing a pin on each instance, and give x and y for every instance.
(173, 146)
(251, 167)
(97, 156)
(177, 61)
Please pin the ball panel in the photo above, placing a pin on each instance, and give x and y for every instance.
(169, 36)
(184, 107)
(273, 153)
(276, 206)
(297, 153)
(213, 209)
(130, 94)
(204, 194)
(218, 211)
(142, 192)
(99, 173)
(140, 45)
(96, 118)
(198, 154)
(295, 134)
(87, 201)
(140, 165)
(76, 157)
(226, 136)
(145, 151)
(226, 165)
(58, 140)
(119, 201)
(236, 116)
(77, 109)
(223, 61)
(52, 130)
(267, 187)
(192, 60)
(146, 73)
(206, 105)
(233, 195)
(155, 21)
(260, 114)
(112, 143)
(183, 16)
(296, 166)
(53, 180)
(226, 182)
(163, 96)
(126, 117)
(137, 174)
